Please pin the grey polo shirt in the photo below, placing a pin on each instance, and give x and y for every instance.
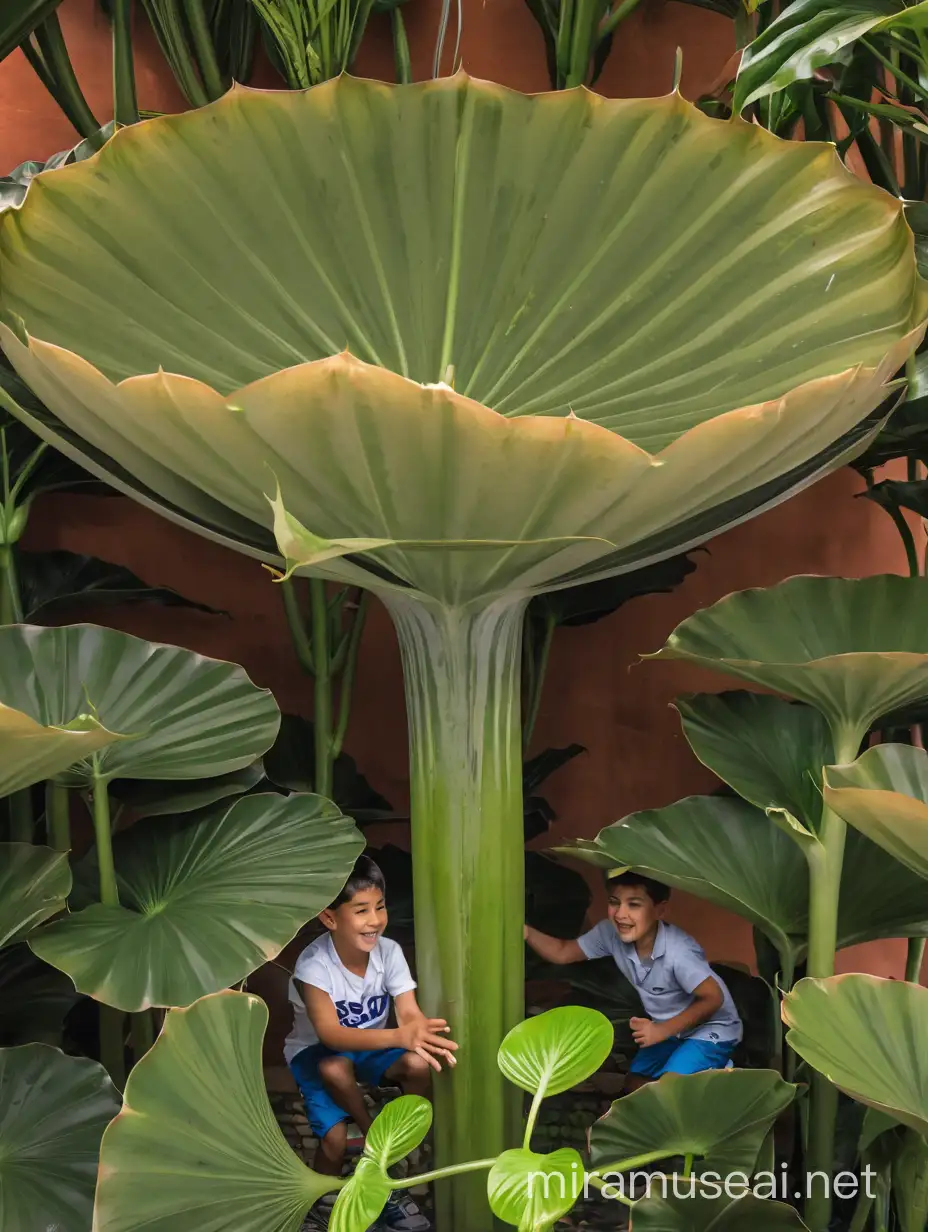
(666, 981)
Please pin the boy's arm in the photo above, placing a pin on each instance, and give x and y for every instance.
(422, 1035)
(553, 949)
(707, 1000)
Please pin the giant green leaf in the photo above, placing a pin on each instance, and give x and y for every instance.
(710, 1211)
(884, 794)
(19, 18)
(869, 1037)
(854, 649)
(879, 896)
(53, 1110)
(34, 998)
(204, 900)
(240, 363)
(810, 34)
(196, 1147)
(189, 716)
(720, 849)
(32, 750)
(34, 885)
(720, 1116)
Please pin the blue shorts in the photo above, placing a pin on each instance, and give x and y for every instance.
(682, 1056)
(321, 1109)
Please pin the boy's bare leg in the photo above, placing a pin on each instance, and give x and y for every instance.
(412, 1073)
(634, 1082)
(338, 1077)
(330, 1153)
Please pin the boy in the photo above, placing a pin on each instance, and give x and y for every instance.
(341, 990)
(692, 1022)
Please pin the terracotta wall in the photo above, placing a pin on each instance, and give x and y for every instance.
(596, 694)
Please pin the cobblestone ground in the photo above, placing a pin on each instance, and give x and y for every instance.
(563, 1121)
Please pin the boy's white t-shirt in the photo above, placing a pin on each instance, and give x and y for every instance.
(360, 1000)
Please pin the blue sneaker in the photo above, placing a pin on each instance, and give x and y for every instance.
(402, 1214)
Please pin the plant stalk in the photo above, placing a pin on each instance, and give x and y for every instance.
(461, 668)
(826, 859)
(125, 103)
(20, 802)
(322, 688)
(112, 1050)
(58, 64)
(204, 49)
(143, 1034)
(349, 672)
(914, 959)
(57, 816)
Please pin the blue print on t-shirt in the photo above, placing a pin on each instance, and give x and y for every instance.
(356, 1013)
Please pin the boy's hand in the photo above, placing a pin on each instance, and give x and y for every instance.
(424, 1037)
(645, 1032)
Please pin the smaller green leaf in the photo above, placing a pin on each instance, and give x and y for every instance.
(531, 1191)
(34, 885)
(555, 1050)
(34, 999)
(362, 1199)
(721, 1117)
(811, 34)
(398, 1129)
(884, 794)
(31, 750)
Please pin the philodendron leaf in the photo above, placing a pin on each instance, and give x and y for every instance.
(769, 750)
(720, 849)
(196, 1147)
(553, 1051)
(706, 1211)
(204, 900)
(855, 649)
(189, 716)
(879, 896)
(362, 1199)
(34, 885)
(869, 1037)
(398, 1129)
(811, 34)
(720, 1116)
(531, 1191)
(34, 998)
(884, 794)
(53, 1111)
(31, 750)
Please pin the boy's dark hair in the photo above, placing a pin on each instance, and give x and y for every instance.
(657, 891)
(365, 875)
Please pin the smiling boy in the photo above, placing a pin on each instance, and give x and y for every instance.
(341, 991)
(691, 1022)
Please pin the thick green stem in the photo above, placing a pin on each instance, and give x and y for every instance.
(112, 1021)
(349, 672)
(475, 1165)
(914, 959)
(301, 642)
(20, 803)
(322, 688)
(57, 816)
(401, 59)
(826, 859)
(461, 668)
(58, 63)
(143, 1033)
(125, 104)
(205, 51)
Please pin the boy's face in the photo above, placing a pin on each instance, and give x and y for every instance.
(360, 921)
(633, 912)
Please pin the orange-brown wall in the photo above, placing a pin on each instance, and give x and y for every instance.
(595, 693)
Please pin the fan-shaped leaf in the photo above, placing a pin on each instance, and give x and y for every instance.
(198, 1096)
(884, 794)
(204, 900)
(53, 1110)
(189, 716)
(869, 1037)
(31, 750)
(720, 1116)
(34, 885)
(557, 1049)
(708, 1212)
(853, 649)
